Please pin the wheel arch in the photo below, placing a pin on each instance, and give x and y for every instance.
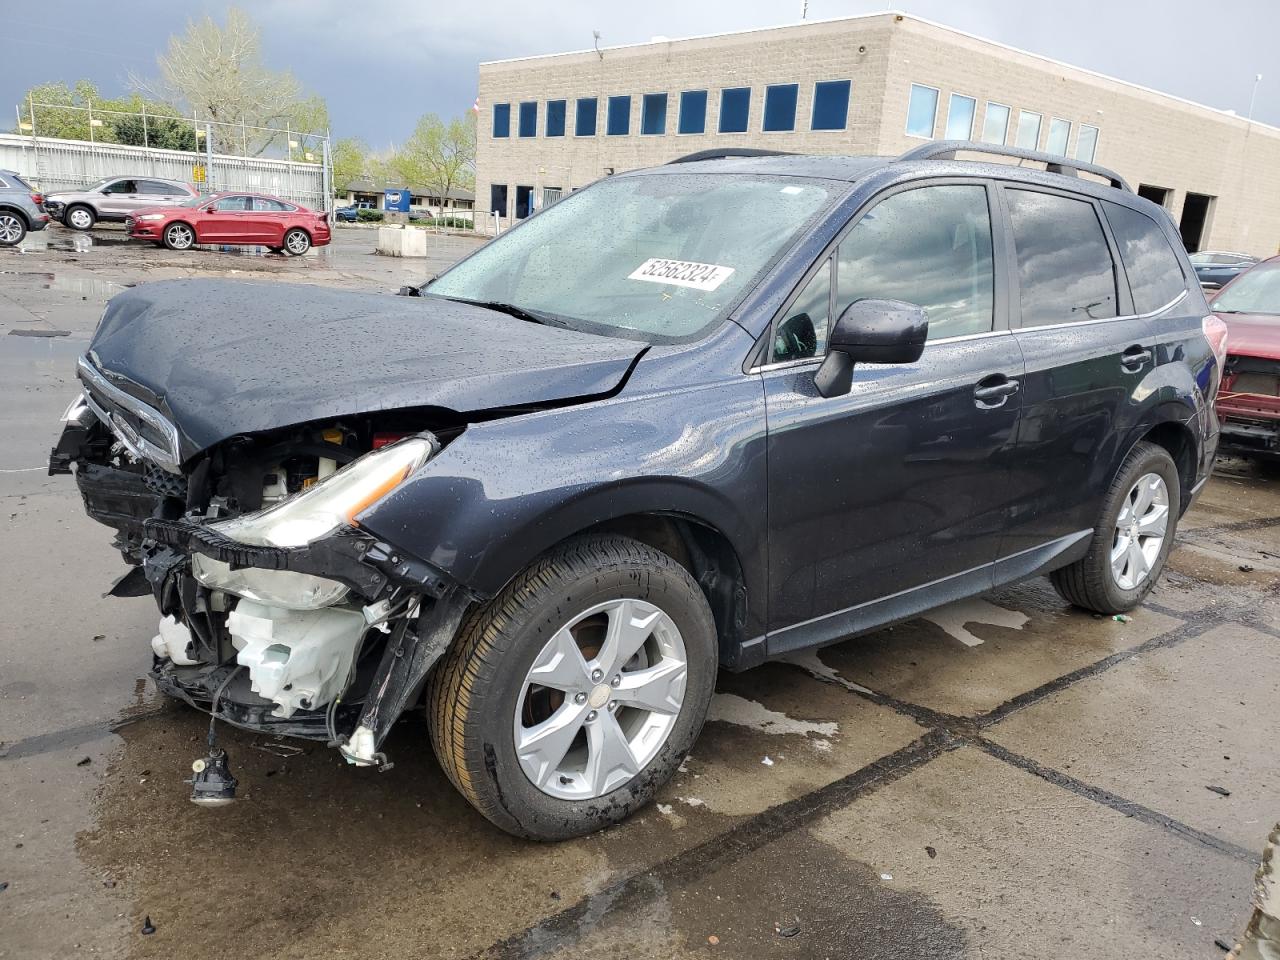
(1179, 440)
(14, 208)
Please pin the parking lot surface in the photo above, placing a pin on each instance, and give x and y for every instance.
(1006, 777)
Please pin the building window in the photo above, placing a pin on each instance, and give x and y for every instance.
(735, 107)
(780, 107)
(995, 126)
(555, 118)
(830, 105)
(960, 113)
(693, 111)
(618, 123)
(529, 118)
(502, 119)
(585, 119)
(1059, 134)
(922, 111)
(653, 114)
(1028, 130)
(1087, 143)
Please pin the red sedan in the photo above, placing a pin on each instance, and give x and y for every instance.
(1249, 401)
(232, 218)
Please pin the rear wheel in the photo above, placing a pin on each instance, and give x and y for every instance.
(1132, 538)
(572, 696)
(79, 217)
(297, 242)
(12, 228)
(179, 236)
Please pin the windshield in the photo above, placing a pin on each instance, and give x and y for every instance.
(194, 201)
(658, 257)
(1257, 291)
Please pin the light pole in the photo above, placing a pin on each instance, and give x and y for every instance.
(1256, 80)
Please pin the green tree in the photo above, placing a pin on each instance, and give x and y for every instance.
(350, 163)
(439, 155)
(65, 112)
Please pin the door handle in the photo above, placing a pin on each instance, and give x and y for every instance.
(1135, 358)
(993, 391)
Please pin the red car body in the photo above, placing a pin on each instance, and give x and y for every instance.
(1249, 400)
(254, 219)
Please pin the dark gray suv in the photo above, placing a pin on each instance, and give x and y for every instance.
(20, 209)
(686, 419)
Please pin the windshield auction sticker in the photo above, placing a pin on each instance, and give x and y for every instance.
(682, 273)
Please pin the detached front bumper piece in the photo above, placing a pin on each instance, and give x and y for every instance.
(1250, 423)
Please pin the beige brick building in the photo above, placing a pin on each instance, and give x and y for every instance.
(875, 84)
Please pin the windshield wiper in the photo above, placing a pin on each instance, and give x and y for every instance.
(511, 310)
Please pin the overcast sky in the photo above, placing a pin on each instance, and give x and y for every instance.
(381, 64)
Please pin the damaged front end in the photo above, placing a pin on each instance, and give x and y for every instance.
(280, 613)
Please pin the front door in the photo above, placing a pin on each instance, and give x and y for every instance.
(119, 199)
(231, 219)
(902, 483)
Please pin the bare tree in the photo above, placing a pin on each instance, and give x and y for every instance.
(439, 155)
(217, 71)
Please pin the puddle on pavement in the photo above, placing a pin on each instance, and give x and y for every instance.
(21, 351)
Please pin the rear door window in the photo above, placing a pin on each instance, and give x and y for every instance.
(930, 246)
(265, 205)
(156, 188)
(1065, 271)
(1155, 275)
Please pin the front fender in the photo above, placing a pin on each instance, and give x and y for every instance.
(508, 490)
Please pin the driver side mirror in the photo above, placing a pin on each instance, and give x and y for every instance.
(871, 331)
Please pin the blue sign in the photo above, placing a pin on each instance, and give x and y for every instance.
(397, 200)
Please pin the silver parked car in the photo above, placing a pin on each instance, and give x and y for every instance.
(115, 198)
(20, 209)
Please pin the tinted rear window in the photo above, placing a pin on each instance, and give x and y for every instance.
(1065, 273)
(13, 178)
(1155, 276)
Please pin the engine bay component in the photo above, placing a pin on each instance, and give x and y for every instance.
(280, 588)
(175, 642)
(300, 659)
(212, 784)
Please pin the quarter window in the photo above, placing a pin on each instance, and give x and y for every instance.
(922, 111)
(1065, 273)
(830, 105)
(960, 114)
(735, 107)
(618, 123)
(1087, 143)
(1028, 130)
(529, 118)
(995, 126)
(1059, 134)
(930, 247)
(555, 118)
(653, 114)
(780, 107)
(802, 333)
(501, 120)
(1155, 275)
(585, 121)
(693, 111)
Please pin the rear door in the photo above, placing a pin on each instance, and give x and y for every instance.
(274, 216)
(1086, 353)
(901, 483)
(157, 193)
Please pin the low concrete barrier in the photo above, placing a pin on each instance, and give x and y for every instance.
(402, 242)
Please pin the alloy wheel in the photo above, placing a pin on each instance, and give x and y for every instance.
(1140, 530)
(600, 699)
(297, 243)
(180, 236)
(11, 228)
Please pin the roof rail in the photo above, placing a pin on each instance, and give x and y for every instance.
(947, 150)
(725, 153)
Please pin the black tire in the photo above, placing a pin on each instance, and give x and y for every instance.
(474, 690)
(1089, 582)
(13, 228)
(179, 236)
(296, 242)
(79, 216)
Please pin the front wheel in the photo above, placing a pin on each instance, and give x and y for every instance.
(571, 697)
(296, 242)
(1133, 536)
(179, 236)
(80, 217)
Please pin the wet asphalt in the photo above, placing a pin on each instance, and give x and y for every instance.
(1006, 778)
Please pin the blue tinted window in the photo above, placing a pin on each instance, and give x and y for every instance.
(555, 118)
(653, 113)
(502, 119)
(693, 111)
(830, 105)
(585, 123)
(735, 106)
(780, 106)
(619, 122)
(922, 110)
(529, 118)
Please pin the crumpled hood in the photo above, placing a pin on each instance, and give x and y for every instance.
(222, 357)
(1252, 335)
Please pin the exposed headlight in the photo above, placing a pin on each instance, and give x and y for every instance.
(151, 216)
(277, 588)
(334, 501)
